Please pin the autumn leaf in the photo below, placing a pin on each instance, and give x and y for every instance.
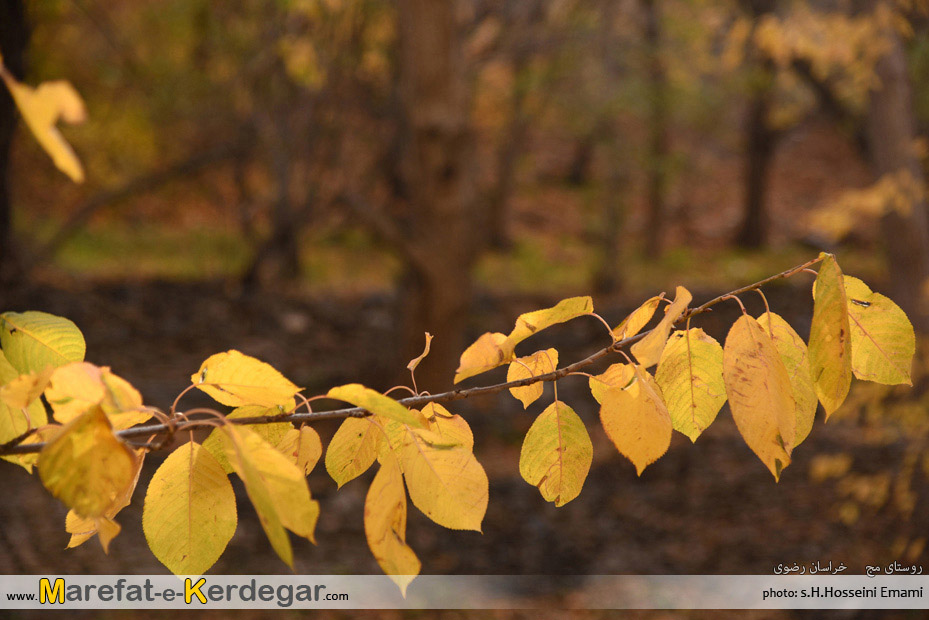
(539, 363)
(189, 514)
(77, 386)
(648, 350)
(302, 446)
(352, 449)
(41, 108)
(273, 432)
(487, 352)
(375, 402)
(276, 488)
(690, 375)
(617, 375)
(637, 421)
(453, 429)
(830, 350)
(637, 319)
(533, 322)
(796, 359)
(234, 379)
(759, 393)
(85, 465)
(883, 341)
(416, 360)
(556, 454)
(385, 525)
(33, 340)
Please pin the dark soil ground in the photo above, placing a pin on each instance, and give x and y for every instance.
(709, 508)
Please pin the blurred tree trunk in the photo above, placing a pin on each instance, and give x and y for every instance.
(14, 38)
(890, 133)
(657, 155)
(760, 142)
(437, 174)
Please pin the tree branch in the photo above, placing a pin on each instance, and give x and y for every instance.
(417, 401)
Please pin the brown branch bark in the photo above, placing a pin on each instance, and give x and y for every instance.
(416, 401)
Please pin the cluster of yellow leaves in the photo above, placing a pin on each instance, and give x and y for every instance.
(83, 463)
(430, 450)
(771, 378)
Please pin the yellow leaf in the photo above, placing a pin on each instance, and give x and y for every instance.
(303, 447)
(796, 359)
(556, 454)
(452, 429)
(539, 363)
(85, 465)
(276, 488)
(830, 354)
(487, 352)
(352, 449)
(83, 528)
(648, 350)
(375, 402)
(637, 421)
(617, 375)
(533, 322)
(41, 108)
(76, 387)
(637, 319)
(189, 514)
(33, 340)
(234, 379)
(385, 525)
(760, 394)
(415, 361)
(690, 375)
(883, 341)
(446, 483)
(272, 433)
(25, 389)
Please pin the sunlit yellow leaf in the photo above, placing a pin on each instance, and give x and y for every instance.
(83, 528)
(272, 433)
(556, 454)
(234, 379)
(76, 387)
(690, 375)
(883, 341)
(648, 350)
(415, 361)
(637, 319)
(617, 375)
(352, 449)
(41, 108)
(446, 483)
(452, 429)
(539, 363)
(303, 447)
(189, 514)
(532, 322)
(33, 340)
(385, 525)
(85, 465)
(830, 350)
(794, 354)
(375, 402)
(637, 421)
(275, 486)
(760, 394)
(487, 352)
